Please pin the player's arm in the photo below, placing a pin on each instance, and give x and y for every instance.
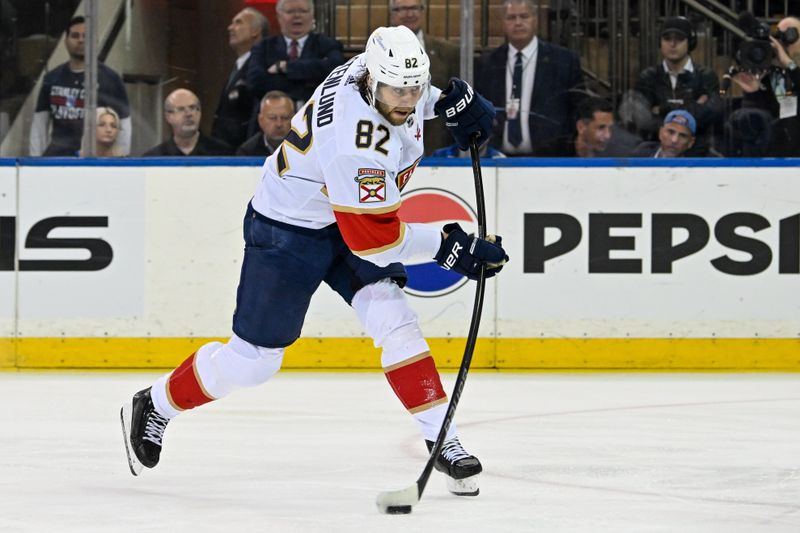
(366, 201)
(372, 229)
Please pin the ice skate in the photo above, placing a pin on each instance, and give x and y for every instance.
(143, 431)
(461, 468)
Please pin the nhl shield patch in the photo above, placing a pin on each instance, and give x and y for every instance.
(371, 185)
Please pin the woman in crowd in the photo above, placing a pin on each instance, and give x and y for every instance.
(106, 134)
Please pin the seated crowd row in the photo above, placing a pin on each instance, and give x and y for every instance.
(543, 105)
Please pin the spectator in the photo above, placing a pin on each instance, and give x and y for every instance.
(776, 92)
(593, 132)
(749, 133)
(297, 60)
(182, 111)
(444, 57)
(275, 120)
(676, 136)
(678, 83)
(537, 84)
(236, 103)
(61, 101)
(107, 133)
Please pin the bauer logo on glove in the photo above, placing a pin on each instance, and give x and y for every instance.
(466, 113)
(467, 254)
(452, 258)
(461, 104)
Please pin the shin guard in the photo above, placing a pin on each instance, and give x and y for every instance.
(184, 388)
(416, 383)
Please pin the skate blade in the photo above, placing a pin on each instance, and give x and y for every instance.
(126, 419)
(463, 487)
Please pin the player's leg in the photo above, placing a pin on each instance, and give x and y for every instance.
(211, 373)
(409, 367)
(384, 313)
(282, 267)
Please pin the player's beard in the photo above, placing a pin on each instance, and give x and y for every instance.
(396, 116)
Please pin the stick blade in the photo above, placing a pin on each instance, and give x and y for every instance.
(398, 501)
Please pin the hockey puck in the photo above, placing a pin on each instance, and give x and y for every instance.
(398, 509)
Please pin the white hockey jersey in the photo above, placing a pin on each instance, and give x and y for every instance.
(343, 162)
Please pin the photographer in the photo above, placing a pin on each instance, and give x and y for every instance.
(679, 83)
(776, 90)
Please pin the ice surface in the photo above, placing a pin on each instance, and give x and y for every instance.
(591, 452)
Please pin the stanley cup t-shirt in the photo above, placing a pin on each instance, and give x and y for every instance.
(62, 95)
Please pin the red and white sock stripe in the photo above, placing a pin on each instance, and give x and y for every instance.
(184, 388)
(416, 383)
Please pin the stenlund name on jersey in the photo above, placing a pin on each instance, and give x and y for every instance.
(328, 93)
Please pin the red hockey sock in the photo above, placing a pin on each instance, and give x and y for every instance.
(416, 382)
(184, 389)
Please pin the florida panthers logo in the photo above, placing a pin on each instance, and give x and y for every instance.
(371, 185)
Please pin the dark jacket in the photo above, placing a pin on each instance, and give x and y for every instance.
(557, 91)
(561, 146)
(655, 85)
(319, 57)
(785, 132)
(235, 108)
(205, 146)
(255, 146)
(765, 97)
(646, 149)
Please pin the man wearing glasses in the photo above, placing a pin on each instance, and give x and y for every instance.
(444, 57)
(298, 59)
(182, 112)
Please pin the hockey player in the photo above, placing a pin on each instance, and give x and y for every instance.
(326, 210)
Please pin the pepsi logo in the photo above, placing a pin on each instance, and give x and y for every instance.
(438, 207)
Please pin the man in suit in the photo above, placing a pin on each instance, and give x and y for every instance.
(274, 121)
(297, 60)
(236, 102)
(535, 85)
(444, 60)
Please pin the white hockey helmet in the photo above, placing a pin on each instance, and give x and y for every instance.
(395, 57)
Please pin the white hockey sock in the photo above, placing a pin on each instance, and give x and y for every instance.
(213, 372)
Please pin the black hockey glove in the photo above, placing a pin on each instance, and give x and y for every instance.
(465, 112)
(465, 254)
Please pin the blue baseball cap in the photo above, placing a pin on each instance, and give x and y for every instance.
(682, 117)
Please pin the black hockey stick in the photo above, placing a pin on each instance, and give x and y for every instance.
(402, 501)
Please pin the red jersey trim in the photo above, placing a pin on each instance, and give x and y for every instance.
(366, 210)
(368, 233)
